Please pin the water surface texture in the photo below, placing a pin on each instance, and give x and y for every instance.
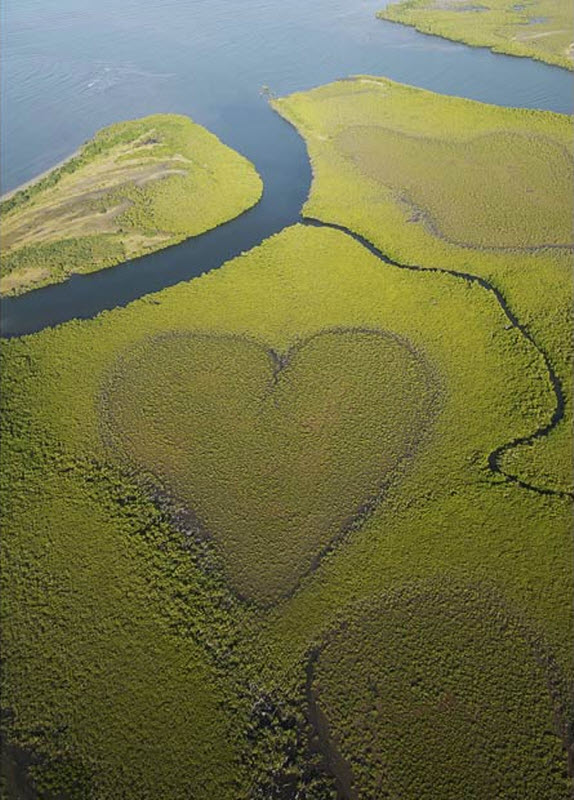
(72, 66)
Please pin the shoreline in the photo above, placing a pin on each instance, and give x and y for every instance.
(41, 175)
(494, 47)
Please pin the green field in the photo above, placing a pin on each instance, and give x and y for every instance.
(156, 645)
(540, 29)
(136, 187)
(442, 182)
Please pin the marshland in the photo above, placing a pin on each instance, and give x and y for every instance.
(286, 463)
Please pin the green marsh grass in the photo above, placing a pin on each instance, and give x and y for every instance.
(437, 690)
(540, 29)
(127, 653)
(134, 188)
(437, 181)
(469, 189)
(277, 454)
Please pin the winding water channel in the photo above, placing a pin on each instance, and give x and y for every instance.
(495, 458)
(88, 67)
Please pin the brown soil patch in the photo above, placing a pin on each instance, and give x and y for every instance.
(23, 277)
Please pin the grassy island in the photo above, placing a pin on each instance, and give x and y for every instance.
(136, 187)
(211, 494)
(443, 182)
(540, 29)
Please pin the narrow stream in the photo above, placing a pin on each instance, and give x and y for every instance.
(557, 415)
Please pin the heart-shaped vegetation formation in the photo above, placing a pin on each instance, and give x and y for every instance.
(439, 692)
(277, 456)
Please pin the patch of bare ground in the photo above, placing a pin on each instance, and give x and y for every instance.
(458, 5)
(79, 220)
(82, 214)
(543, 35)
(78, 201)
(23, 277)
(136, 242)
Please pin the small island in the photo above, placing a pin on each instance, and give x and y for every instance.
(136, 187)
(541, 29)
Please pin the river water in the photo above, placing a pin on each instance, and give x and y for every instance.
(70, 67)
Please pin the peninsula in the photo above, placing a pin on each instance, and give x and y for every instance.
(136, 187)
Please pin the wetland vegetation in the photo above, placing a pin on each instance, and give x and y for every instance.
(540, 29)
(158, 646)
(442, 182)
(301, 528)
(444, 678)
(309, 437)
(136, 187)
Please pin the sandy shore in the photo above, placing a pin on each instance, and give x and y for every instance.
(39, 177)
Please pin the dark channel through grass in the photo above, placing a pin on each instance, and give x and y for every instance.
(496, 455)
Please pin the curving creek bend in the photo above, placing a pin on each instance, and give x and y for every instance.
(87, 67)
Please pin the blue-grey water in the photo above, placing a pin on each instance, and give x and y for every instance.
(70, 67)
